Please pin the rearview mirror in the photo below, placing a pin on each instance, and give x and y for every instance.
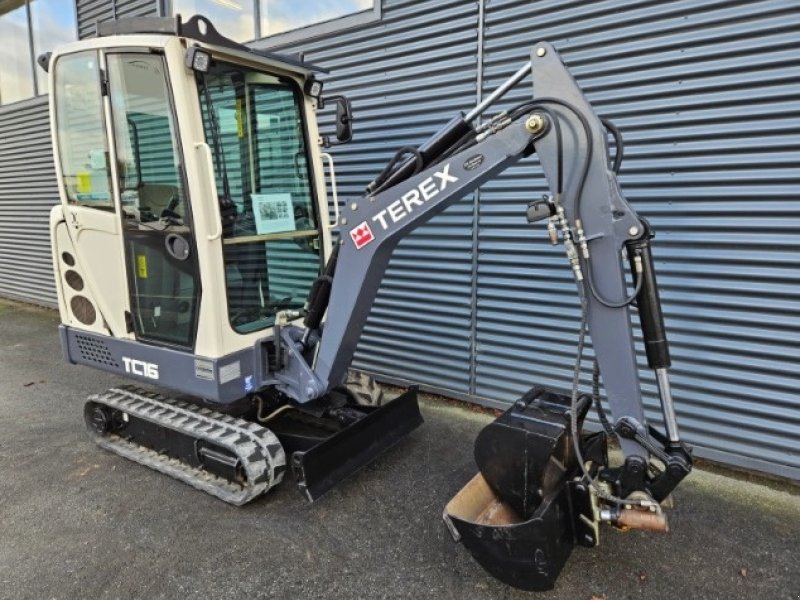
(344, 121)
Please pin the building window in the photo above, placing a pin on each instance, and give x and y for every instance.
(29, 28)
(279, 16)
(235, 19)
(52, 25)
(248, 20)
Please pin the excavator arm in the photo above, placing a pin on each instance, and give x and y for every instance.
(585, 208)
(587, 213)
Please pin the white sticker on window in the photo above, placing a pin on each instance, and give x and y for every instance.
(273, 213)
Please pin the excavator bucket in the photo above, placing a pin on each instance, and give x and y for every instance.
(324, 453)
(519, 516)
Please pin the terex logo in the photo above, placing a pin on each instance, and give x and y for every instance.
(427, 189)
(140, 368)
(361, 235)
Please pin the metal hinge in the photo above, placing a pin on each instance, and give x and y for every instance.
(103, 82)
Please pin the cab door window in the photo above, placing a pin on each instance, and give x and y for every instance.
(82, 138)
(157, 227)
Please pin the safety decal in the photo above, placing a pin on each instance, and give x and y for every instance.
(362, 235)
(141, 266)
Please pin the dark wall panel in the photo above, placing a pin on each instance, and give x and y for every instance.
(27, 192)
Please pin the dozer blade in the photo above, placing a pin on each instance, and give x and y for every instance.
(516, 516)
(342, 453)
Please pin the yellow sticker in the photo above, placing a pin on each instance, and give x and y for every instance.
(84, 182)
(239, 118)
(141, 266)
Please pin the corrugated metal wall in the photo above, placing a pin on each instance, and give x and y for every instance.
(92, 11)
(706, 94)
(406, 76)
(27, 191)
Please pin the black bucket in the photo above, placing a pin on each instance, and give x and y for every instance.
(527, 554)
(516, 516)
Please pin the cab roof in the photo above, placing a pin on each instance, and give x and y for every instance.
(197, 28)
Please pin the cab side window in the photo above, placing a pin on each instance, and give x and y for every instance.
(82, 137)
(148, 161)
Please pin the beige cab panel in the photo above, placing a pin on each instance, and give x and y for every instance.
(93, 288)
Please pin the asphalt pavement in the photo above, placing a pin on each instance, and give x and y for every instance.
(78, 522)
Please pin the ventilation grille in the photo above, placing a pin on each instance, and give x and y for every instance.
(96, 351)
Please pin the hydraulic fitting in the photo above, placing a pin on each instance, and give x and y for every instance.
(552, 231)
(582, 241)
(574, 260)
(569, 243)
(498, 122)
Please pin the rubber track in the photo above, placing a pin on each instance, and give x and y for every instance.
(258, 449)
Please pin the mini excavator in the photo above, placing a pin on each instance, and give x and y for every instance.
(195, 253)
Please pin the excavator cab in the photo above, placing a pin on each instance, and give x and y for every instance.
(155, 157)
(193, 225)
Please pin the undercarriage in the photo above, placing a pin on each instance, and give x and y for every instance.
(239, 458)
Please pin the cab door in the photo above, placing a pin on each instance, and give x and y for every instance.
(159, 245)
(90, 251)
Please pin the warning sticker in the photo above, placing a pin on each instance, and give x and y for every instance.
(361, 235)
(204, 369)
(141, 266)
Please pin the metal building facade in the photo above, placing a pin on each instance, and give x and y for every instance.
(707, 95)
(476, 303)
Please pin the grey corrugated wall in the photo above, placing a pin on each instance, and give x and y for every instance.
(27, 192)
(706, 94)
(28, 186)
(92, 11)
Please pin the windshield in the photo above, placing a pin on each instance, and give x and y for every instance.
(254, 126)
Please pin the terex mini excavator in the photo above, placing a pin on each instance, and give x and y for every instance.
(193, 251)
